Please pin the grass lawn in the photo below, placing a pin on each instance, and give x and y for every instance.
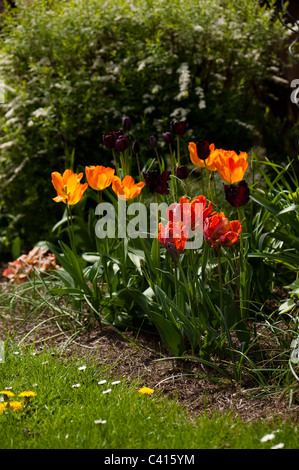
(78, 405)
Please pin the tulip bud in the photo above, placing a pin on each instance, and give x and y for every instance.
(135, 147)
(122, 143)
(182, 172)
(126, 123)
(168, 137)
(153, 141)
(174, 253)
(109, 140)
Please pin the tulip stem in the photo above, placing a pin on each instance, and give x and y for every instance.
(138, 165)
(220, 279)
(159, 161)
(171, 159)
(176, 282)
(243, 276)
(70, 228)
(178, 151)
(209, 181)
(115, 162)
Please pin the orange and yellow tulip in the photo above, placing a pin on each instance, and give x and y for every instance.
(99, 177)
(230, 166)
(126, 187)
(219, 231)
(68, 187)
(208, 162)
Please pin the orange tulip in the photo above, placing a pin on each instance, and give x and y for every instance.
(208, 162)
(126, 187)
(68, 187)
(230, 166)
(172, 234)
(99, 177)
(187, 210)
(219, 231)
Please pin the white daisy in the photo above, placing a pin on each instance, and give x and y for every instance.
(278, 446)
(101, 382)
(267, 437)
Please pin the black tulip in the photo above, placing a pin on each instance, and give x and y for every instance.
(153, 141)
(168, 137)
(109, 140)
(237, 195)
(203, 149)
(122, 143)
(126, 123)
(179, 127)
(157, 182)
(135, 147)
(182, 172)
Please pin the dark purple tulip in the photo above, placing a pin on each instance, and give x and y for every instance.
(203, 149)
(182, 172)
(135, 147)
(109, 140)
(122, 143)
(237, 195)
(126, 123)
(179, 127)
(174, 253)
(156, 182)
(168, 137)
(153, 141)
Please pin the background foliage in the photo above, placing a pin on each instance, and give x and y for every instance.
(72, 69)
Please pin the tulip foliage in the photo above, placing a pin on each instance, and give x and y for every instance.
(198, 296)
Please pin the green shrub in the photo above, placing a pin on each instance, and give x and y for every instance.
(72, 69)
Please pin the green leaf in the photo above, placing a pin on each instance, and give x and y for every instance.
(169, 333)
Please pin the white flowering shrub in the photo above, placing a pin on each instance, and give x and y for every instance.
(73, 68)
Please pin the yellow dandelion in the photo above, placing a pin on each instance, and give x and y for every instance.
(8, 393)
(15, 405)
(146, 390)
(3, 406)
(27, 394)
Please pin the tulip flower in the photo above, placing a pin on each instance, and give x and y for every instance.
(126, 123)
(182, 172)
(219, 231)
(157, 182)
(126, 187)
(230, 166)
(168, 137)
(237, 195)
(185, 210)
(99, 177)
(207, 156)
(68, 187)
(179, 127)
(172, 234)
(122, 143)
